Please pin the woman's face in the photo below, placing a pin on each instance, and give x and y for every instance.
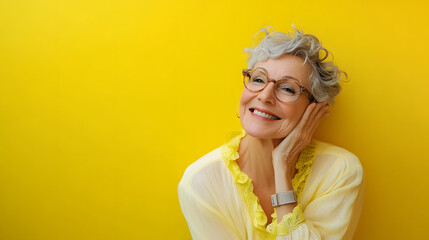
(265, 101)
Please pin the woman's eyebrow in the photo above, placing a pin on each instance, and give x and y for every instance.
(286, 76)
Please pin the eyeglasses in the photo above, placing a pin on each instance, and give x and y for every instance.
(286, 90)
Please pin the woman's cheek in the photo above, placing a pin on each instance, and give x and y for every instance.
(292, 117)
(246, 97)
(242, 107)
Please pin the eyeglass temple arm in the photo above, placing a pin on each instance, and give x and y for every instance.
(245, 71)
(310, 96)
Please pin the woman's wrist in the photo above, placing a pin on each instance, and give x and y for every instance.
(283, 182)
(280, 167)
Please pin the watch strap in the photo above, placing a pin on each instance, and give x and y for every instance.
(283, 198)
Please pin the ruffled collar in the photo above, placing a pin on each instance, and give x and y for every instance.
(244, 183)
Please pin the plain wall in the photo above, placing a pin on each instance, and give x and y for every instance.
(103, 104)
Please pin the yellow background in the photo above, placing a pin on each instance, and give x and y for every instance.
(103, 104)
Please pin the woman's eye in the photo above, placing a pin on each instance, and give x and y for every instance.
(288, 90)
(258, 80)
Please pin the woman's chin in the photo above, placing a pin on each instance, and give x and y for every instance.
(261, 133)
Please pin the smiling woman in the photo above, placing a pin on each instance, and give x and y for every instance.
(272, 179)
(287, 112)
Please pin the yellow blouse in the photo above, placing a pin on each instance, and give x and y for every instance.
(218, 202)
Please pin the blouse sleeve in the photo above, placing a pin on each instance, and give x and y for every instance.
(332, 214)
(204, 221)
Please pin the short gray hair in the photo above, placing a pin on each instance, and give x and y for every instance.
(325, 76)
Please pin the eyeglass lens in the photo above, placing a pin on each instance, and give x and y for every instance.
(285, 90)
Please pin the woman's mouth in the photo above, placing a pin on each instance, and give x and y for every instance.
(263, 114)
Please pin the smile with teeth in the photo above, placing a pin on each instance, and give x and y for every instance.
(265, 115)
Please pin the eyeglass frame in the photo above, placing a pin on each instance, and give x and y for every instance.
(246, 72)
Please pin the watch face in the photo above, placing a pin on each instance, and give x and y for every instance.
(274, 200)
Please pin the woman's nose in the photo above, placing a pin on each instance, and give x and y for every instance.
(267, 95)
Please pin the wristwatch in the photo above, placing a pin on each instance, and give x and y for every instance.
(283, 198)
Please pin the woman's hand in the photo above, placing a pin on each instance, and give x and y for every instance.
(286, 154)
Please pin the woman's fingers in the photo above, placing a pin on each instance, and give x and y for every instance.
(303, 131)
(324, 111)
(317, 109)
(314, 120)
(303, 121)
(308, 121)
(321, 112)
(299, 128)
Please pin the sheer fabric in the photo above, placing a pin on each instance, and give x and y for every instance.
(218, 202)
